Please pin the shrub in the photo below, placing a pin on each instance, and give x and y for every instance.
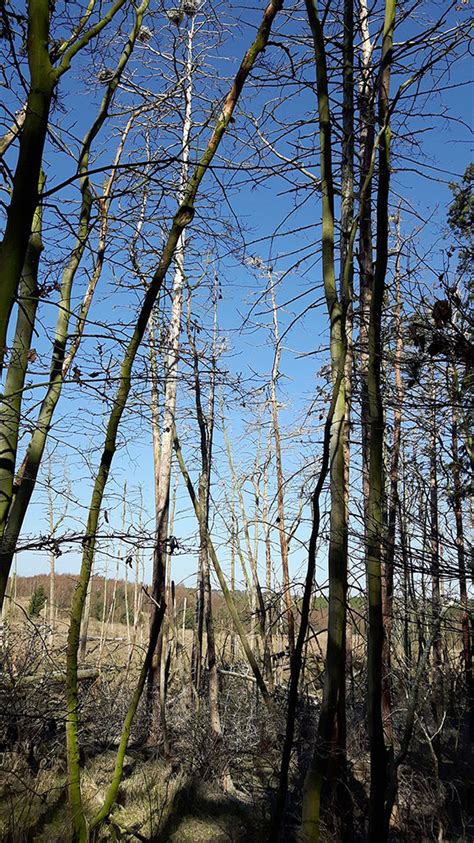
(38, 599)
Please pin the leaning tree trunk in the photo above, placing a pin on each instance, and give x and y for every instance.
(25, 188)
(182, 218)
(13, 507)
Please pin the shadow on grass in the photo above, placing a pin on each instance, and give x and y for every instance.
(201, 814)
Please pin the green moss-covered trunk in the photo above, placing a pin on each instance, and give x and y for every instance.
(32, 136)
(11, 400)
(25, 188)
(329, 756)
(14, 502)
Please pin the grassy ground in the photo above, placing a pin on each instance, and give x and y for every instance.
(154, 803)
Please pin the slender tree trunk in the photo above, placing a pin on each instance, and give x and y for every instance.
(127, 609)
(328, 763)
(15, 496)
(347, 295)
(206, 431)
(375, 526)
(461, 554)
(26, 180)
(232, 570)
(389, 556)
(24, 195)
(366, 266)
(407, 607)
(198, 631)
(268, 649)
(279, 474)
(171, 384)
(437, 676)
(103, 625)
(223, 584)
(312, 788)
(52, 564)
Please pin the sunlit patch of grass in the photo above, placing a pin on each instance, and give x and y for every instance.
(146, 797)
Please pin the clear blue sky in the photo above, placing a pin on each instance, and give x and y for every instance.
(264, 209)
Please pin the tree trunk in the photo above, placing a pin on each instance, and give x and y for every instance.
(347, 295)
(26, 181)
(375, 526)
(366, 266)
(461, 554)
(206, 432)
(15, 498)
(223, 584)
(389, 556)
(328, 763)
(279, 474)
(163, 469)
(21, 354)
(312, 788)
(437, 676)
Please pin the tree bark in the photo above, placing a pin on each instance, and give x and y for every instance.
(25, 194)
(163, 468)
(328, 761)
(461, 554)
(21, 353)
(223, 584)
(16, 495)
(375, 526)
(279, 475)
(437, 674)
(389, 556)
